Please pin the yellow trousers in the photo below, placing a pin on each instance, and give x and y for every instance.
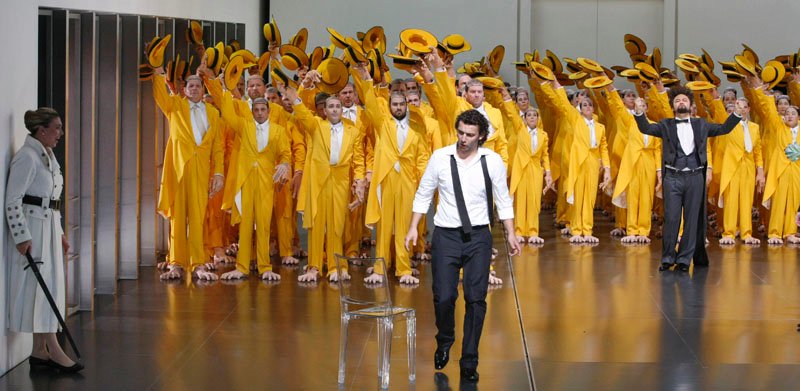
(640, 198)
(256, 215)
(186, 225)
(563, 208)
(395, 219)
(322, 236)
(528, 202)
(353, 230)
(784, 203)
(284, 220)
(737, 203)
(585, 195)
(620, 217)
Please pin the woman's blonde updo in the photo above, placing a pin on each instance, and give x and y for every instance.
(39, 117)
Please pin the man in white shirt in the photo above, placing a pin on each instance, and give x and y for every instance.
(461, 239)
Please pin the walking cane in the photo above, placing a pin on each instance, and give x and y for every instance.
(35, 269)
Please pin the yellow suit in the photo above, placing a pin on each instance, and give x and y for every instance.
(254, 189)
(395, 175)
(737, 179)
(636, 179)
(187, 169)
(782, 191)
(327, 186)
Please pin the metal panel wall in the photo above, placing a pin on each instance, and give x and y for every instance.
(240, 35)
(165, 26)
(86, 168)
(129, 148)
(149, 181)
(107, 155)
(219, 32)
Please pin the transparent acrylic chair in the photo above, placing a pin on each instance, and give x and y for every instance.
(373, 302)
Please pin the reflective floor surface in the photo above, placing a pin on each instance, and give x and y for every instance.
(566, 318)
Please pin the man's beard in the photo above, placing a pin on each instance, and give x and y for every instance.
(682, 110)
(400, 118)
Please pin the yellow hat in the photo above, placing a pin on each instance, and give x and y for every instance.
(668, 82)
(317, 56)
(233, 72)
(177, 70)
(279, 76)
(454, 44)
(590, 65)
(572, 65)
(215, 57)
(496, 57)
(773, 73)
(709, 75)
(491, 83)
(578, 75)
(155, 50)
(733, 76)
(194, 34)
(690, 57)
(687, 66)
(376, 56)
(292, 57)
(234, 43)
(707, 59)
(551, 61)
(418, 41)
(634, 45)
(751, 54)
(263, 64)
(402, 62)
(541, 71)
(353, 52)
(564, 80)
(609, 73)
(631, 74)
(374, 38)
(145, 72)
(637, 58)
(337, 39)
(700, 85)
(248, 58)
(374, 68)
(647, 72)
(272, 33)
(596, 82)
(300, 39)
(745, 64)
(169, 73)
(333, 75)
(655, 59)
(229, 51)
(521, 66)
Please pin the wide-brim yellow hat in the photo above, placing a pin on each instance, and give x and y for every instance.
(551, 61)
(655, 59)
(292, 57)
(793, 60)
(454, 44)
(263, 65)
(353, 52)
(521, 66)
(541, 71)
(155, 50)
(745, 64)
(318, 55)
(145, 72)
(690, 57)
(177, 70)
(707, 59)
(248, 58)
(687, 66)
(374, 68)
(374, 38)
(637, 58)
(376, 56)
(751, 54)
(333, 75)
(491, 83)
(631, 74)
(403, 63)
(634, 45)
(596, 82)
(277, 75)
(700, 85)
(336, 38)
(169, 72)
(215, 57)
(272, 33)
(578, 75)
(646, 72)
(233, 72)
(709, 75)
(495, 58)
(300, 39)
(418, 41)
(773, 73)
(572, 65)
(234, 43)
(194, 33)
(589, 65)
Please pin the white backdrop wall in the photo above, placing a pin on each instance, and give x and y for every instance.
(19, 21)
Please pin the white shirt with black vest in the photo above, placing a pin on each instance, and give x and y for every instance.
(438, 177)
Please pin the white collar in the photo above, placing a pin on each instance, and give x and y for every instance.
(338, 126)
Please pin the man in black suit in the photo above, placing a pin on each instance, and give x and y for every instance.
(684, 164)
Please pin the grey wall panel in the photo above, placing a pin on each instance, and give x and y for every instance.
(147, 130)
(230, 33)
(219, 32)
(241, 37)
(161, 136)
(129, 148)
(72, 159)
(107, 153)
(208, 34)
(179, 40)
(87, 130)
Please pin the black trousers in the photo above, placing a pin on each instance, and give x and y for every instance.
(682, 192)
(450, 253)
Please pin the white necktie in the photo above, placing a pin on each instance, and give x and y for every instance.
(748, 142)
(402, 133)
(534, 139)
(198, 123)
(262, 137)
(482, 110)
(592, 135)
(350, 113)
(336, 143)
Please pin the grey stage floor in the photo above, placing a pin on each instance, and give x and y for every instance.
(566, 318)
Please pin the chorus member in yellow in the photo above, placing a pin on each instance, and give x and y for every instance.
(334, 147)
(741, 174)
(194, 128)
(264, 159)
(33, 214)
(782, 190)
(400, 156)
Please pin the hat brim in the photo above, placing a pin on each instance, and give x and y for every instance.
(418, 41)
(597, 82)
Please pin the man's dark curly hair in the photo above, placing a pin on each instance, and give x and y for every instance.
(474, 117)
(680, 90)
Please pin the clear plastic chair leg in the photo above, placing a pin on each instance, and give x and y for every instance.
(343, 347)
(387, 351)
(411, 336)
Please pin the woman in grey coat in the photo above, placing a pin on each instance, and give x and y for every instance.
(32, 208)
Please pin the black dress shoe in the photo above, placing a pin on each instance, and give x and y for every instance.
(77, 367)
(441, 358)
(469, 375)
(664, 266)
(38, 362)
(683, 267)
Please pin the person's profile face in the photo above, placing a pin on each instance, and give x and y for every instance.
(51, 134)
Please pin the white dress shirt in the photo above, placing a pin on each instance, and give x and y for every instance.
(199, 120)
(482, 110)
(534, 139)
(438, 177)
(794, 134)
(592, 132)
(337, 133)
(402, 134)
(262, 135)
(686, 137)
(748, 141)
(350, 113)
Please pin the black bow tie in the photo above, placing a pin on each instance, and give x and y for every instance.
(681, 121)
